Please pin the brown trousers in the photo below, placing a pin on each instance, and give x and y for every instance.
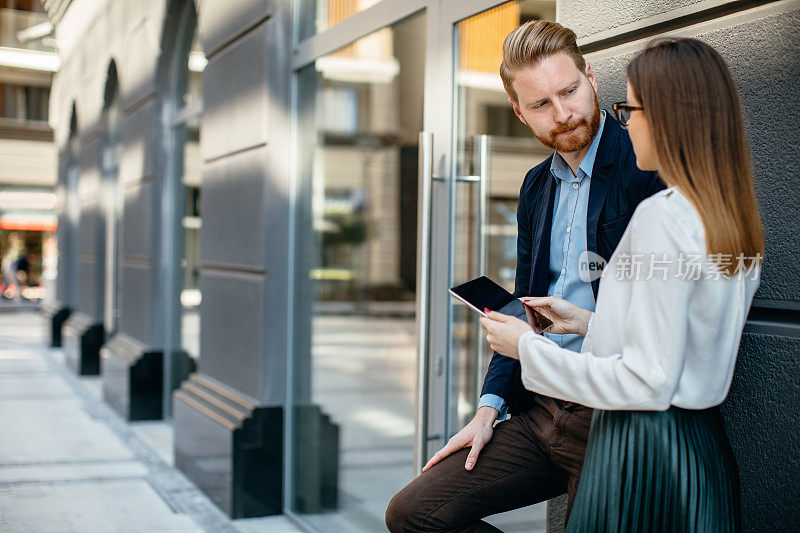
(532, 457)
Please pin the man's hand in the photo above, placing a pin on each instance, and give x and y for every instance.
(475, 434)
(503, 333)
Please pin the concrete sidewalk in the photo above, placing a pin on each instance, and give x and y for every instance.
(68, 463)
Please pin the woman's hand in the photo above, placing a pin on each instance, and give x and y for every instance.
(566, 318)
(503, 333)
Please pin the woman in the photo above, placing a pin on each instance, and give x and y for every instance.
(660, 348)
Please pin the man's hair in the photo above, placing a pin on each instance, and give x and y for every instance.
(532, 42)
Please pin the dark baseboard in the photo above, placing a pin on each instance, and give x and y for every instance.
(316, 456)
(56, 315)
(83, 336)
(133, 377)
(231, 448)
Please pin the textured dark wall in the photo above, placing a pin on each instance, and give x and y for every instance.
(762, 54)
(591, 17)
(762, 424)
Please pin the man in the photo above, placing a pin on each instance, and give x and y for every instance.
(574, 204)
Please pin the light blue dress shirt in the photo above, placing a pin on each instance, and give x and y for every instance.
(567, 243)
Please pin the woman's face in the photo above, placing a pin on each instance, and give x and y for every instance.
(639, 130)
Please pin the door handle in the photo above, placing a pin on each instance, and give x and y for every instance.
(423, 295)
(482, 168)
(482, 145)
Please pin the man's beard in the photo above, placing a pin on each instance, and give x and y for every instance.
(584, 133)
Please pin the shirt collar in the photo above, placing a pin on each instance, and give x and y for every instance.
(559, 167)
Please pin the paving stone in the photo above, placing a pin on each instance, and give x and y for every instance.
(97, 506)
(43, 386)
(54, 431)
(70, 472)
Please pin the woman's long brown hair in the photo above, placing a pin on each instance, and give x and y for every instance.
(695, 117)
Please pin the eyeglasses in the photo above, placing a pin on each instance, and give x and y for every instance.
(623, 111)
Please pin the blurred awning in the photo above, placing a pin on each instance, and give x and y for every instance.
(28, 222)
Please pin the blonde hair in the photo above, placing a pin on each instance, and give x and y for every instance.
(695, 117)
(530, 43)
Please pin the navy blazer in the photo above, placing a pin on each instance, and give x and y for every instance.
(617, 187)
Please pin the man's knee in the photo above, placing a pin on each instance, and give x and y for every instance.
(407, 511)
(400, 513)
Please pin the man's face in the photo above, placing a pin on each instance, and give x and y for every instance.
(558, 103)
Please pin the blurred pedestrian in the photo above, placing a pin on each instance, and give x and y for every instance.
(9, 267)
(23, 272)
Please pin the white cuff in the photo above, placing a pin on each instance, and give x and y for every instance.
(527, 348)
(587, 339)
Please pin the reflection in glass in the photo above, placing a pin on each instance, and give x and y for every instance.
(482, 108)
(112, 202)
(192, 223)
(317, 16)
(354, 362)
(181, 193)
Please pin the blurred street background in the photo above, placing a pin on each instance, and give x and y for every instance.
(228, 227)
(69, 463)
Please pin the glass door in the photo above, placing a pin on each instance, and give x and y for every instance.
(354, 359)
(485, 154)
(493, 151)
(409, 163)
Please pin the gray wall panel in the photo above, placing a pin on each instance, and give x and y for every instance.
(234, 99)
(587, 18)
(233, 210)
(91, 249)
(274, 361)
(138, 30)
(276, 209)
(137, 220)
(135, 301)
(92, 62)
(230, 329)
(136, 158)
(759, 47)
(87, 275)
(57, 291)
(62, 293)
(89, 228)
(88, 258)
(276, 281)
(219, 22)
(762, 424)
(89, 182)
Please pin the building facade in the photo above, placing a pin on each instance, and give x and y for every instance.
(264, 202)
(28, 219)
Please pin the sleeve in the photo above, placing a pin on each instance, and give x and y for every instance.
(503, 370)
(645, 374)
(522, 279)
(587, 339)
(495, 402)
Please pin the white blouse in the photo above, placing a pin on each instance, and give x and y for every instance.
(667, 324)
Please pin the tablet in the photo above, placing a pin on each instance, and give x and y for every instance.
(481, 293)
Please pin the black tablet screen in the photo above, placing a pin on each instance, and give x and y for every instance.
(482, 292)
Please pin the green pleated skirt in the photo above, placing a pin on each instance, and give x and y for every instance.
(657, 471)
